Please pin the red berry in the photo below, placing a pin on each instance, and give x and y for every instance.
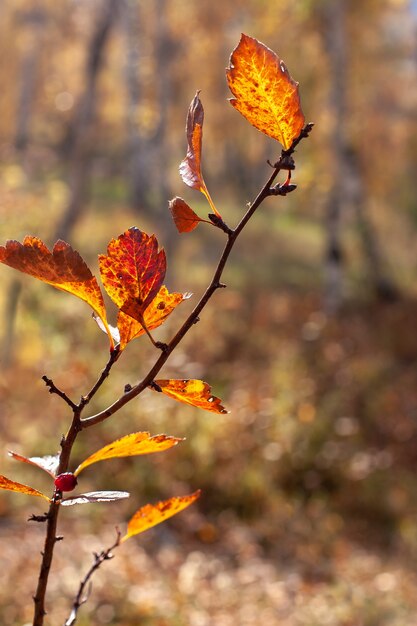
(66, 481)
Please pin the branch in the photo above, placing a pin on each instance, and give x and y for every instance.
(283, 163)
(82, 597)
(54, 389)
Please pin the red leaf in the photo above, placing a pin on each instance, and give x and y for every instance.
(184, 217)
(133, 271)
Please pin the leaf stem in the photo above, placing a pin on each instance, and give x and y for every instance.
(215, 284)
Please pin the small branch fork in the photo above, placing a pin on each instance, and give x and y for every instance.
(284, 163)
(83, 593)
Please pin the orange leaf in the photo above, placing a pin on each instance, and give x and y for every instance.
(160, 308)
(130, 445)
(265, 94)
(133, 271)
(194, 392)
(62, 268)
(11, 485)
(184, 217)
(153, 514)
(190, 167)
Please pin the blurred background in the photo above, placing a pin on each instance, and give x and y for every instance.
(308, 513)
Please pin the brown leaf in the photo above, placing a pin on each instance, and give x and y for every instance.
(152, 514)
(190, 167)
(130, 445)
(11, 485)
(184, 217)
(95, 496)
(133, 271)
(191, 391)
(48, 463)
(62, 268)
(265, 94)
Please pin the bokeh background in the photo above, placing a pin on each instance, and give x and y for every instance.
(308, 513)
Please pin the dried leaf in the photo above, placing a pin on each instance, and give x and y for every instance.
(191, 391)
(133, 271)
(153, 514)
(95, 496)
(48, 463)
(130, 445)
(184, 217)
(62, 268)
(265, 94)
(190, 167)
(11, 485)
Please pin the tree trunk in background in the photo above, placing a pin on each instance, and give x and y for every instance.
(78, 145)
(334, 14)
(149, 154)
(33, 23)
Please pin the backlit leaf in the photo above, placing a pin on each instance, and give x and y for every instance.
(190, 167)
(160, 308)
(130, 445)
(62, 268)
(184, 217)
(133, 271)
(48, 463)
(95, 496)
(264, 92)
(11, 485)
(191, 391)
(152, 514)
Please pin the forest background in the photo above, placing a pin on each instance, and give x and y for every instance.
(308, 513)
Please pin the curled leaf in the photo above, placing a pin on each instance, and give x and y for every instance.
(130, 445)
(184, 217)
(191, 391)
(62, 268)
(48, 464)
(190, 167)
(152, 514)
(133, 271)
(11, 485)
(95, 496)
(264, 92)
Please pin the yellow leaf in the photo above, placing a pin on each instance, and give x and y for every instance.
(130, 445)
(11, 485)
(265, 94)
(191, 391)
(152, 514)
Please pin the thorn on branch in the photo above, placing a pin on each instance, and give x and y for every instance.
(197, 319)
(59, 538)
(38, 518)
(219, 286)
(127, 388)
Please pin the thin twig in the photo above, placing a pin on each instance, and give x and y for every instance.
(54, 389)
(282, 164)
(82, 596)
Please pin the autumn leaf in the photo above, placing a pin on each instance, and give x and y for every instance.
(62, 268)
(11, 485)
(130, 445)
(264, 92)
(157, 312)
(152, 514)
(191, 391)
(133, 271)
(190, 167)
(48, 464)
(184, 217)
(95, 496)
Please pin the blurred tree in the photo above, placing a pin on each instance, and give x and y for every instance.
(78, 143)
